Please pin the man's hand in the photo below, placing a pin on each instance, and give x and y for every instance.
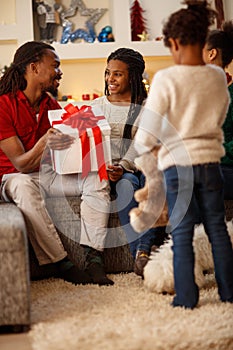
(56, 140)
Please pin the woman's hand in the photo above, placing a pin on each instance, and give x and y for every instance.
(56, 140)
(115, 172)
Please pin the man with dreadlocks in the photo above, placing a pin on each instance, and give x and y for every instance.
(125, 94)
(24, 132)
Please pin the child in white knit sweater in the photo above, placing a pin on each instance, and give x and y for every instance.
(185, 110)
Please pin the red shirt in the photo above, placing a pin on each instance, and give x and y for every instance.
(17, 117)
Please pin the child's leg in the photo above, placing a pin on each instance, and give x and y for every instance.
(211, 203)
(182, 221)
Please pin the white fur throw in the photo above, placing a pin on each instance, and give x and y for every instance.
(158, 273)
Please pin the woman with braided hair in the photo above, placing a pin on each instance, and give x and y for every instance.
(219, 50)
(125, 94)
(185, 110)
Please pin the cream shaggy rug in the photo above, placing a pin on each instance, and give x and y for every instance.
(125, 316)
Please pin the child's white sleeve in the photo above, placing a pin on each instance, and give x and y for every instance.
(152, 115)
(148, 133)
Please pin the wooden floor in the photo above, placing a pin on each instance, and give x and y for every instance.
(15, 342)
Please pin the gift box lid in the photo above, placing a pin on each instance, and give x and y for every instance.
(56, 115)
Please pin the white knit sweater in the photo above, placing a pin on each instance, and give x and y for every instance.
(185, 110)
(116, 115)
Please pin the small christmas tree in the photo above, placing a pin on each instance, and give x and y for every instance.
(137, 21)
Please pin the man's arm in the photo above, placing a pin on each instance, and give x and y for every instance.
(28, 161)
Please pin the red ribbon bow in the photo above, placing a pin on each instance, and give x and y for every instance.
(83, 118)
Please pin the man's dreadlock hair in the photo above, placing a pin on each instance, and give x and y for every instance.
(13, 79)
(189, 25)
(222, 39)
(136, 67)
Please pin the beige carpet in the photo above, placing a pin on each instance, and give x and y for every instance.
(125, 317)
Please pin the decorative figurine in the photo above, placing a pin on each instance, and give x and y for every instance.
(138, 22)
(48, 19)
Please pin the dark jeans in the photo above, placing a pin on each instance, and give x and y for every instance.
(125, 188)
(188, 187)
(227, 171)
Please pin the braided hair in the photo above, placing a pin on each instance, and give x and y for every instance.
(14, 79)
(136, 67)
(190, 25)
(222, 39)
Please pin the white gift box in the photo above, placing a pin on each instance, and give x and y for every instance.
(69, 161)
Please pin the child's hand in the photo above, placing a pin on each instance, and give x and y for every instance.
(115, 172)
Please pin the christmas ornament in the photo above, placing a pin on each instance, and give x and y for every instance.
(82, 34)
(67, 26)
(88, 34)
(106, 35)
(137, 21)
(144, 36)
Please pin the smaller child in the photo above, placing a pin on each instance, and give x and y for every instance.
(185, 110)
(219, 50)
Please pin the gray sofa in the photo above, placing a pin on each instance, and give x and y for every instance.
(14, 270)
(65, 212)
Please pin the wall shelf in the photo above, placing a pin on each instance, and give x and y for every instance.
(84, 50)
(119, 13)
(119, 16)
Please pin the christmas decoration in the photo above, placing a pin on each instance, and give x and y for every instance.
(138, 25)
(88, 34)
(106, 35)
(48, 18)
(67, 28)
(144, 36)
(220, 17)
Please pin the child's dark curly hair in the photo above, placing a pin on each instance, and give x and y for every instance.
(222, 39)
(189, 25)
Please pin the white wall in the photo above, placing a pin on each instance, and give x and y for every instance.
(228, 7)
(155, 13)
